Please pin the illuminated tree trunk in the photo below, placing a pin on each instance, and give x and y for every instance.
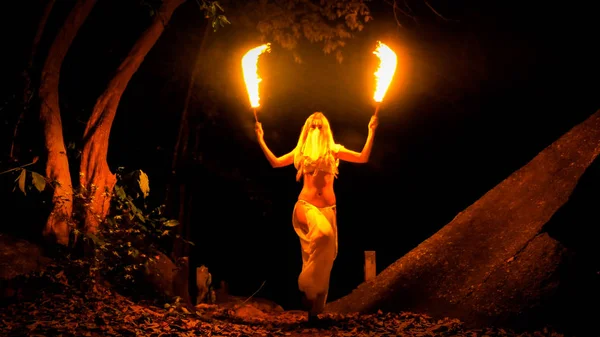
(498, 262)
(27, 90)
(96, 179)
(57, 166)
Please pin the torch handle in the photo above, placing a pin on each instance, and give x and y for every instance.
(376, 110)
(255, 116)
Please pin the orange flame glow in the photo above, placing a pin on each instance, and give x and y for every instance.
(250, 68)
(386, 70)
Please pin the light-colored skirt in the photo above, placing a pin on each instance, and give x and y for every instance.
(319, 244)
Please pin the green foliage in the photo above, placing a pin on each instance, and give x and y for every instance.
(132, 233)
(130, 237)
(327, 22)
(38, 181)
(211, 10)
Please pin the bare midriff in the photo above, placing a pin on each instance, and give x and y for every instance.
(318, 189)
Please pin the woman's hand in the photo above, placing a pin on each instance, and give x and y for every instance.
(259, 131)
(373, 123)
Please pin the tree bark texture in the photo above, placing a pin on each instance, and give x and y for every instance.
(57, 166)
(96, 179)
(494, 263)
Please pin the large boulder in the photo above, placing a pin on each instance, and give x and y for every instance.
(495, 263)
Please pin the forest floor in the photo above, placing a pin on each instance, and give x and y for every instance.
(61, 309)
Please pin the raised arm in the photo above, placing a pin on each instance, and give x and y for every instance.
(285, 160)
(363, 156)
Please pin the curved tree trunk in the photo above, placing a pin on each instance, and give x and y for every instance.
(57, 166)
(494, 263)
(96, 179)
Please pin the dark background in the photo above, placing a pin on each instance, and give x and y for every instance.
(472, 101)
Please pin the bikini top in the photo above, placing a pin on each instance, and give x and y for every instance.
(321, 164)
(328, 164)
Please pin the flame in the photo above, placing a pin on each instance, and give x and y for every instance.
(386, 70)
(250, 66)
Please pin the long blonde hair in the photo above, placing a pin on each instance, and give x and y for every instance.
(327, 149)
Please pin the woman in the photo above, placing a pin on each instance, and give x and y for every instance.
(316, 157)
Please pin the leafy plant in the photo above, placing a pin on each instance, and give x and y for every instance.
(132, 233)
(211, 10)
(131, 236)
(38, 181)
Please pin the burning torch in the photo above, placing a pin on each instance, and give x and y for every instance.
(250, 68)
(385, 72)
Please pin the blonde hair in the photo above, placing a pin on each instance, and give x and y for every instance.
(327, 151)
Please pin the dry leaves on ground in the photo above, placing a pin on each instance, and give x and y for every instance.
(70, 312)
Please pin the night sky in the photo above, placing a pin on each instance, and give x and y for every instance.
(472, 101)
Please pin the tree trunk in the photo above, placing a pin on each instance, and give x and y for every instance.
(96, 179)
(180, 156)
(183, 232)
(495, 263)
(57, 166)
(27, 90)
